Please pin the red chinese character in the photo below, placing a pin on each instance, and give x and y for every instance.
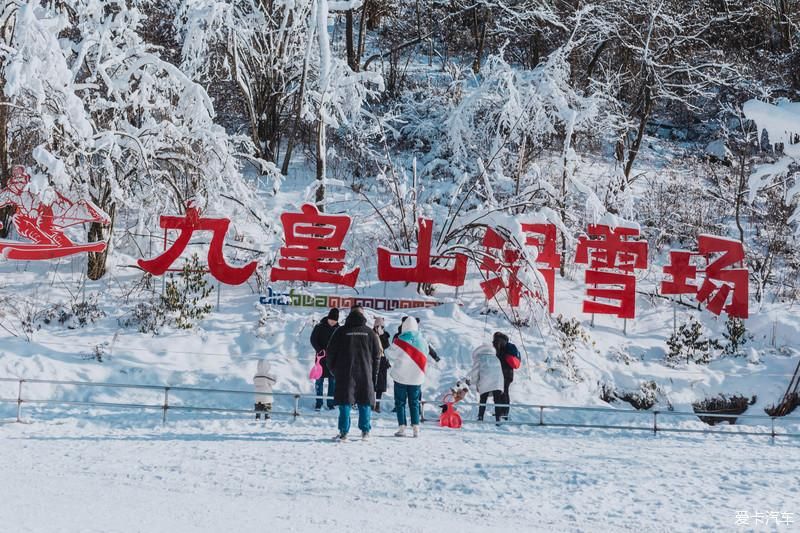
(543, 238)
(614, 257)
(720, 284)
(505, 264)
(682, 270)
(423, 271)
(187, 225)
(313, 248)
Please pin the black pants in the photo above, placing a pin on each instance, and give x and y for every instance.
(263, 408)
(505, 399)
(378, 395)
(497, 397)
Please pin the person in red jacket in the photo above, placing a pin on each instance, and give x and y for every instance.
(509, 361)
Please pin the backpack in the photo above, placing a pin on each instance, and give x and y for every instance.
(512, 357)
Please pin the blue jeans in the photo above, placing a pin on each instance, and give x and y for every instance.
(364, 413)
(411, 394)
(319, 387)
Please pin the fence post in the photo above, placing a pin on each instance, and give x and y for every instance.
(655, 422)
(773, 429)
(19, 400)
(166, 406)
(296, 406)
(541, 415)
(421, 411)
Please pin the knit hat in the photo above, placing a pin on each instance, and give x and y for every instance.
(379, 322)
(333, 314)
(500, 336)
(409, 325)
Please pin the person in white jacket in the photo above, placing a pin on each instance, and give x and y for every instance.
(408, 356)
(263, 382)
(487, 377)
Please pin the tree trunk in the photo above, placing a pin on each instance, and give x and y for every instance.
(562, 208)
(479, 33)
(740, 190)
(637, 142)
(349, 41)
(373, 16)
(96, 267)
(287, 157)
(5, 163)
(361, 31)
(321, 164)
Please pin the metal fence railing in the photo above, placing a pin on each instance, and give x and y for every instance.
(533, 414)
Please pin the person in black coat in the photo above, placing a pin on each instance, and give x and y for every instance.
(320, 336)
(381, 385)
(354, 354)
(507, 353)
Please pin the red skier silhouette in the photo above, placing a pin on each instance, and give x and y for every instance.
(44, 223)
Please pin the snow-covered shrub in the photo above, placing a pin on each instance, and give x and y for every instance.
(621, 354)
(645, 397)
(17, 316)
(723, 404)
(670, 214)
(607, 392)
(185, 294)
(148, 317)
(267, 316)
(736, 336)
(71, 316)
(691, 344)
(100, 353)
(571, 336)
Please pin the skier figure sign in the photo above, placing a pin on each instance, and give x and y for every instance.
(43, 221)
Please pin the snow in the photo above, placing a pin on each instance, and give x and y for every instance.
(719, 150)
(111, 470)
(781, 121)
(244, 476)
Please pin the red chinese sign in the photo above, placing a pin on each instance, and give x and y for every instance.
(612, 256)
(423, 271)
(313, 248)
(313, 253)
(43, 223)
(723, 287)
(187, 225)
(543, 238)
(504, 262)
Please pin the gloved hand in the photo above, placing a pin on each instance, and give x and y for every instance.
(433, 354)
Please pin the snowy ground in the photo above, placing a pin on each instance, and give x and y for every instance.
(240, 476)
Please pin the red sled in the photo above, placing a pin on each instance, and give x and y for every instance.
(449, 417)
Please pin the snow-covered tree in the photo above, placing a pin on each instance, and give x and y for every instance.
(279, 55)
(261, 46)
(657, 53)
(112, 120)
